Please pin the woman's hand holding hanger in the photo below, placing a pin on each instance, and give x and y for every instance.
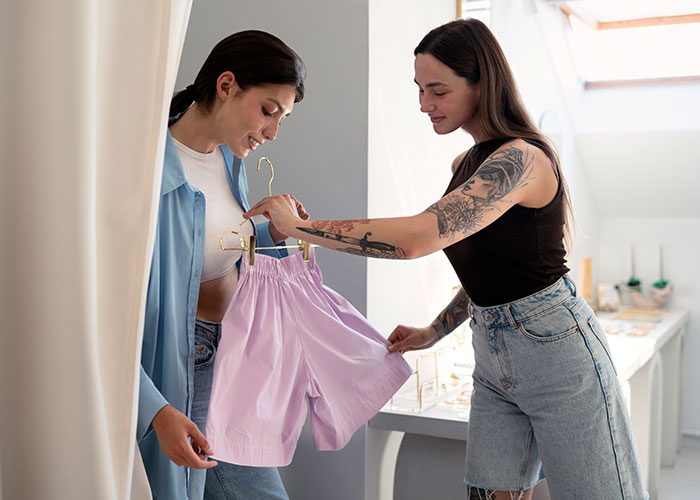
(282, 210)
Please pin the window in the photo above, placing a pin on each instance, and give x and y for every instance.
(634, 41)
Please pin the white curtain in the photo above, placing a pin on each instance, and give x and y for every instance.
(84, 91)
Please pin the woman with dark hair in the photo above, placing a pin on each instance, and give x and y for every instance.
(245, 88)
(546, 397)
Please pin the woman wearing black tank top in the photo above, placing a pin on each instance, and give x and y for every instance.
(546, 400)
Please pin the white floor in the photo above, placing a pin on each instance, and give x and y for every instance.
(682, 482)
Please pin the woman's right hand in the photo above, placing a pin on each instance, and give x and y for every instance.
(174, 431)
(409, 338)
(283, 210)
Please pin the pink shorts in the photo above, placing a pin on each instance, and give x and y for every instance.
(285, 338)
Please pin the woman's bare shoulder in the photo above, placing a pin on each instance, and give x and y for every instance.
(531, 152)
(459, 159)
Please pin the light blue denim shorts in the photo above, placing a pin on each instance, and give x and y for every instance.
(547, 402)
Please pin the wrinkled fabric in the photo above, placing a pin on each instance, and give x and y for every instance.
(167, 354)
(547, 402)
(225, 481)
(287, 338)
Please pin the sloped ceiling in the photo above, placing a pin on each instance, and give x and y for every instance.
(640, 147)
(643, 173)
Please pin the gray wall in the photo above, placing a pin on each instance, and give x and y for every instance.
(320, 156)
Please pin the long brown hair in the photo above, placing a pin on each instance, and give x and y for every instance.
(254, 57)
(469, 48)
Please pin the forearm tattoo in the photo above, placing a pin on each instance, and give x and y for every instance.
(337, 226)
(456, 313)
(360, 246)
(499, 176)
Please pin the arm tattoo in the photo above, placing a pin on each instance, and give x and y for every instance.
(338, 226)
(464, 214)
(361, 246)
(504, 172)
(456, 313)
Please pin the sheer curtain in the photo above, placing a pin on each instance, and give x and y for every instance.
(84, 91)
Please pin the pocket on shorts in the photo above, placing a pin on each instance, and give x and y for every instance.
(553, 324)
(599, 334)
(204, 351)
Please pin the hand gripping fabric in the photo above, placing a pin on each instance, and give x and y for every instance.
(285, 338)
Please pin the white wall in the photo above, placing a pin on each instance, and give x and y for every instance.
(408, 169)
(669, 107)
(630, 156)
(320, 156)
(408, 164)
(644, 173)
(532, 41)
(632, 165)
(680, 238)
(646, 139)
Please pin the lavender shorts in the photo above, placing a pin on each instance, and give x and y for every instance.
(287, 338)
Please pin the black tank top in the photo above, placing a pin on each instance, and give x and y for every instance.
(520, 253)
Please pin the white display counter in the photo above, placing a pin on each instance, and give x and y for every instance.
(416, 443)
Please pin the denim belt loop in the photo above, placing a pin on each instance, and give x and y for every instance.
(570, 283)
(208, 330)
(508, 313)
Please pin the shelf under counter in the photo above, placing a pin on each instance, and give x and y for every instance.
(435, 421)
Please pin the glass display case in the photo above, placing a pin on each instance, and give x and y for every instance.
(441, 378)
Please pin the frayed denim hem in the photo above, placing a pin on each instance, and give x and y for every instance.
(475, 492)
(478, 493)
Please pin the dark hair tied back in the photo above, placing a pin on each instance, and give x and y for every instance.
(192, 93)
(254, 57)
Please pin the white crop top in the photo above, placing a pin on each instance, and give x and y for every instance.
(207, 173)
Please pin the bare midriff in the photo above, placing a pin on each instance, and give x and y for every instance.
(215, 296)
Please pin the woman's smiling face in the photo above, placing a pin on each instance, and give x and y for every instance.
(449, 99)
(248, 118)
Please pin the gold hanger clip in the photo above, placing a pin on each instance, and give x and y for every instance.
(249, 246)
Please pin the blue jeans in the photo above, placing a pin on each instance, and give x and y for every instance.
(225, 481)
(547, 402)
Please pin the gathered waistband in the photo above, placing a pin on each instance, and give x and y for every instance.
(522, 309)
(283, 268)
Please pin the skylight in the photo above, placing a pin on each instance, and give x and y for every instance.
(634, 40)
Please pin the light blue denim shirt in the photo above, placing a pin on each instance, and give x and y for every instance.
(167, 357)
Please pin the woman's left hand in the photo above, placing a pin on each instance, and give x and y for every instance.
(282, 210)
(409, 338)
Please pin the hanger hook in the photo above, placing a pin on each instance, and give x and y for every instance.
(235, 231)
(272, 176)
(240, 226)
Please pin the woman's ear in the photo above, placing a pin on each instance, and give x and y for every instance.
(226, 85)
